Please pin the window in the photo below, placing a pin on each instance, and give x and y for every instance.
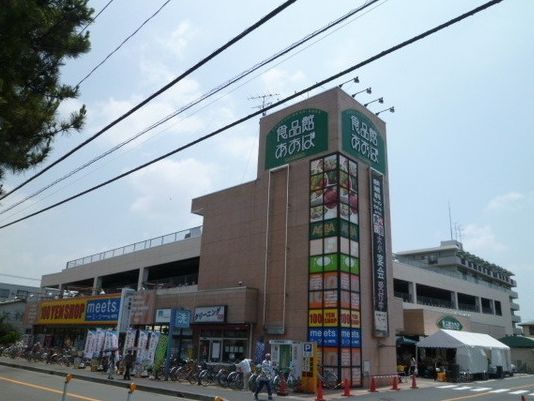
(22, 294)
(498, 310)
(4, 293)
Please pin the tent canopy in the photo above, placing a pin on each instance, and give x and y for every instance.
(476, 352)
(457, 339)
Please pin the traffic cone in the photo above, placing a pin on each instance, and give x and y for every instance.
(414, 384)
(320, 394)
(395, 384)
(282, 388)
(372, 386)
(346, 388)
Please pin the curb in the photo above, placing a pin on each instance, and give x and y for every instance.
(140, 387)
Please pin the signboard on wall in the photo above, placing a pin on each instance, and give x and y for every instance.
(379, 256)
(363, 140)
(100, 309)
(210, 314)
(450, 323)
(299, 135)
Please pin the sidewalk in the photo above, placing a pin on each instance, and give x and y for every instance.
(191, 391)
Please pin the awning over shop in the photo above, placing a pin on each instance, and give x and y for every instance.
(401, 340)
(474, 351)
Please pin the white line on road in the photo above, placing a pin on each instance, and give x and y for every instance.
(500, 390)
(519, 392)
(449, 386)
(477, 389)
(463, 388)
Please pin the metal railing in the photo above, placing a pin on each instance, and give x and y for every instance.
(138, 246)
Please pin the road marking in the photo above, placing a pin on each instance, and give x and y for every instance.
(500, 390)
(463, 388)
(518, 392)
(52, 390)
(449, 386)
(464, 397)
(477, 389)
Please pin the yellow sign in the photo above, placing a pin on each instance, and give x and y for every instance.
(99, 309)
(323, 317)
(60, 312)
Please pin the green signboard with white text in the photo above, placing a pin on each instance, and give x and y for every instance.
(362, 139)
(299, 135)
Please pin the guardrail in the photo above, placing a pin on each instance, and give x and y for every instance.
(137, 246)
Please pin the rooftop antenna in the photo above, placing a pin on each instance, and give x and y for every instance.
(450, 220)
(264, 101)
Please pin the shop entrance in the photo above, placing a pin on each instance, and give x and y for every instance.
(210, 349)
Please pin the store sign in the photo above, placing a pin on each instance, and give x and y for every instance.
(182, 319)
(363, 140)
(210, 314)
(299, 135)
(142, 308)
(103, 310)
(84, 310)
(379, 256)
(163, 316)
(450, 323)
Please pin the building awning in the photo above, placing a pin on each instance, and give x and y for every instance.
(458, 339)
(401, 340)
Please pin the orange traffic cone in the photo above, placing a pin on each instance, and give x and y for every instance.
(414, 384)
(320, 395)
(372, 386)
(395, 384)
(282, 389)
(346, 388)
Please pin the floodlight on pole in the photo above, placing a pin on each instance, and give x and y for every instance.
(356, 80)
(390, 109)
(379, 100)
(367, 90)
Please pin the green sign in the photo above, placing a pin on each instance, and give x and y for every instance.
(450, 323)
(363, 140)
(299, 135)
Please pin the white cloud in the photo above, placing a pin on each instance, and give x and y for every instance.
(507, 201)
(481, 240)
(180, 39)
(281, 81)
(167, 188)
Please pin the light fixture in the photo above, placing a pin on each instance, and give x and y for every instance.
(102, 292)
(379, 100)
(390, 109)
(368, 90)
(356, 80)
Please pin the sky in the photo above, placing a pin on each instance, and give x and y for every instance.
(460, 138)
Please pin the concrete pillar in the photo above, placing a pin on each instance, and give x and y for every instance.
(142, 278)
(97, 285)
(412, 291)
(61, 288)
(454, 300)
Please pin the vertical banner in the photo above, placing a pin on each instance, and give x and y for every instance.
(380, 291)
(129, 340)
(151, 352)
(141, 346)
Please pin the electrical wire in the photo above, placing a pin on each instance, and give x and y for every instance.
(157, 93)
(273, 105)
(96, 16)
(122, 43)
(203, 97)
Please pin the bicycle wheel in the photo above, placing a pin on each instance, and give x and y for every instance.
(330, 381)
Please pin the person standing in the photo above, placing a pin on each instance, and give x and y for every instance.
(413, 366)
(265, 377)
(128, 359)
(244, 367)
(111, 364)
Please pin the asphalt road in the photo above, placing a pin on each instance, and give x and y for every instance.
(508, 389)
(24, 385)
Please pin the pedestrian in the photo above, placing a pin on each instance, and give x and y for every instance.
(265, 377)
(111, 364)
(244, 368)
(413, 366)
(128, 360)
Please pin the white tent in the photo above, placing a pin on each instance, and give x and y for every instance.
(475, 352)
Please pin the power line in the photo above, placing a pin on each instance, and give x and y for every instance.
(203, 97)
(276, 104)
(22, 277)
(122, 43)
(96, 16)
(158, 92)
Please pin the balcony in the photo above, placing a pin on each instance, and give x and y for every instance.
(516, 319)
(514, 294)
(404, 295)
(468, 307)
(518, 331)
(514, 306)
(138, 246)
(436, 302)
